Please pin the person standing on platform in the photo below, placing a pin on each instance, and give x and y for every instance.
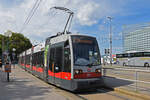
(0, 63)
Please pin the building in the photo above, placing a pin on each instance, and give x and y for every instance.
(136, 38)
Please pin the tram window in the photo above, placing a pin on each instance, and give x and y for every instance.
(34, 59)
(41, 59)
(66, 43)
(27, 59)
(132, 54)
(51, 58)
(119, 55)
(147, 54)
(38, 59)
(139, 54)
(125, 55)
(58, 59)
(67, 59)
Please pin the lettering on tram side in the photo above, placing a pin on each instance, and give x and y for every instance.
(45, 55)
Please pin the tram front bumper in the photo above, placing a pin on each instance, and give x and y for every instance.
(79, 84)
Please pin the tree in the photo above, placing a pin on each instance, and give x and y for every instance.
(3, 40)
(17, 41)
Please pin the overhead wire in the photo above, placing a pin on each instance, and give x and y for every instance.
(31, 13)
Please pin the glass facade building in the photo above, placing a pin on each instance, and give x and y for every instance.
(136, 40)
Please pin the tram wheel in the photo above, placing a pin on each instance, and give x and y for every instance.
(146, 65)
(124, 64)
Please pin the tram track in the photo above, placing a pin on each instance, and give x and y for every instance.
(113, 94)
(100, 92)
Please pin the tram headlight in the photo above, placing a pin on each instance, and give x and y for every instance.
(98, 70)
(78, 71)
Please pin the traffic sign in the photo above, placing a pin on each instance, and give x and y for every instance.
(8, 68)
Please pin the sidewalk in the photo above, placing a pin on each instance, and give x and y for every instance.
(24, 86)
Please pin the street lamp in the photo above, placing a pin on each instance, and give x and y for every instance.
(13, 57)
(7, 59)
(110, 19)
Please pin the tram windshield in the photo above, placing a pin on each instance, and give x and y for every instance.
(85, 51)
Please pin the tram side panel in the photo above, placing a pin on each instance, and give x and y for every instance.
(38, 64)
(58, 72)
(27, 64)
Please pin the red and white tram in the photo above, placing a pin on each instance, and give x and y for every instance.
(70, 61)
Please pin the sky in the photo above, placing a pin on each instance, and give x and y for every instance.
(90, 17)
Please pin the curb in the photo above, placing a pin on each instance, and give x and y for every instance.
(131, 93)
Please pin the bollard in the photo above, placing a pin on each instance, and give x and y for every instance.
(136, 80)
(104, 72)
(7, 76)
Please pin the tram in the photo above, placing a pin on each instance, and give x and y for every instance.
(70, 61)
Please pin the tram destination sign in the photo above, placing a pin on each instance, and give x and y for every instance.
(77, 40)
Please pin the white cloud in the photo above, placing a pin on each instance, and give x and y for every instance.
(45, 23)
(86, 13)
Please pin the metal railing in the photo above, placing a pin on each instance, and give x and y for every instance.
(140, 78)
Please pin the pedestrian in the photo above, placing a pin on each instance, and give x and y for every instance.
(13, 63)
(0, 63)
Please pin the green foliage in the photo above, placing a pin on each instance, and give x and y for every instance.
(17, 41)
(3, 40)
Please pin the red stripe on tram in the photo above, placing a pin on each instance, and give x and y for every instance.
(34, 68)
(62, 75)
(28, 66)
(87, 75)
(39, 69)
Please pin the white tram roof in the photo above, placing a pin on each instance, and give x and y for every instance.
(57, 39)
(20, 55)
(23, 54)
(137, 51)
(39, 47)
(60, 38)
(64, 37)
(29, 51)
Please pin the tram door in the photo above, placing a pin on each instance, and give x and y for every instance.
(56, 63)
(51, 64)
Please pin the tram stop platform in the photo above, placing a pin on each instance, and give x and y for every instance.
(24, 86)
(139, 90)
